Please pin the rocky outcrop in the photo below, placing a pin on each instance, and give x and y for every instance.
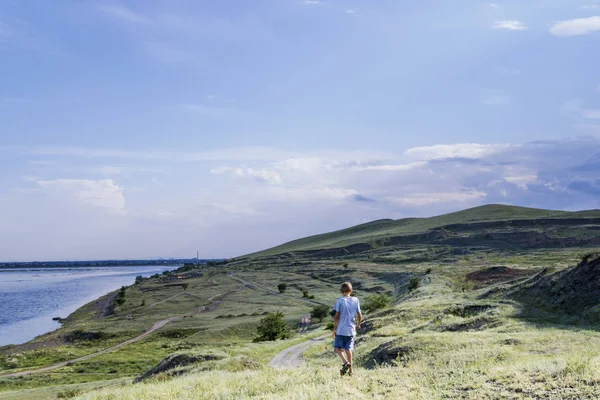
(174, 361)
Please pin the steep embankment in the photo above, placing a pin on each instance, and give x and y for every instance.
(491, 226)
(574, 291)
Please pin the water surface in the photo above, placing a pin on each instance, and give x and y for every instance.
(30, 298)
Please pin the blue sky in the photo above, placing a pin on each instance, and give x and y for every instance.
(154, 128)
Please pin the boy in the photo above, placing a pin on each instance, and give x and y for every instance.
(344, 329)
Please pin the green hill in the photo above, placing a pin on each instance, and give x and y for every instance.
(453, 229)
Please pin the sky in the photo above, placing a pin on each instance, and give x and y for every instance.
(158, 128)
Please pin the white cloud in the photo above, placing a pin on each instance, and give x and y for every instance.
(576, 27)
(275, 195)
(262, 175)
(511, 25)
(103, 193)
(494, 5)
(312, 2)
(350, 11)
(462, 150)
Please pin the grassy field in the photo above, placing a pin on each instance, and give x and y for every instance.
(438, 342)
(466, 322)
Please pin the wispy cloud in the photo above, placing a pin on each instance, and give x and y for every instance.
(312, 2)
(460, 150)
(511, 25)
(266, 176)
(576, 27)
(124, 14)
(104, 193)
(350, 11)
(576, 108)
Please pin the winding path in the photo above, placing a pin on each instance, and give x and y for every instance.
(155, 327)
(264, 289)
(292, 356)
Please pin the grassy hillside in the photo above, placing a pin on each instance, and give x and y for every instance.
(492, 302)
(377, 232)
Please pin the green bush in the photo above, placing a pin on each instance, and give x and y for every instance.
(413, 284)
(68, 394)
(376, 302)
(272, 327)
(282, 287)
(320, 312)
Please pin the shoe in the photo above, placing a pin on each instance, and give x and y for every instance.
(344, 369)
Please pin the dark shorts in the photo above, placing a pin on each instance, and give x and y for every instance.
(343, 342)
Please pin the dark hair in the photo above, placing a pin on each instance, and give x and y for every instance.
(346, 287)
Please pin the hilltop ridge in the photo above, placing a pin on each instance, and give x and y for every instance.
(542, 227)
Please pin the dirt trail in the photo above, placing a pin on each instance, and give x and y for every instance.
(292, 356)
(155, 327)
(264, 289)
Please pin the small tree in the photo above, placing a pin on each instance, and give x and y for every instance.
(320, 312)
(305, 293)
(185, 286)
(282, 287)
(346, 265)
(272, 327)
(139, 279)
(376, 302)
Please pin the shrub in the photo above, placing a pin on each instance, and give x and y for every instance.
(304, 293)
(139, 279)
(185, 286)
(346, 265)
(329, 326)
(282, 287)
(272, 327)
(413, 284)
(376, 302)
(320, 312)
(68, 394)
(429, 270)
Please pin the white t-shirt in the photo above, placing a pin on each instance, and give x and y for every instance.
(348, 307)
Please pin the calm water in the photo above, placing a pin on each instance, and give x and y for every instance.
(30, 298)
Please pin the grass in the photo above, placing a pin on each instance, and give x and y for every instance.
(445, 336)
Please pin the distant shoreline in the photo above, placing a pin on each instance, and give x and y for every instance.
(102, 263)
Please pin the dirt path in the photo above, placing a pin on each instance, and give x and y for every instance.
(292, 356)
(264, 289)
(155, 327)
(167, 299)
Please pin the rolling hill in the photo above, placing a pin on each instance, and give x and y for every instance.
(493, 226)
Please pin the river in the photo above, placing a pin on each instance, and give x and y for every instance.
(30, 298)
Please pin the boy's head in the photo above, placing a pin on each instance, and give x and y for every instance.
(346, 288)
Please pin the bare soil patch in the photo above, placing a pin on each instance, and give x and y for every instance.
(493, 275)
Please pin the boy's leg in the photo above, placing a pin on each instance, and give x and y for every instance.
(349, 358)
(340, 353)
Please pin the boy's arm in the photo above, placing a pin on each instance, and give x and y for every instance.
(336, 319)
(359, 318)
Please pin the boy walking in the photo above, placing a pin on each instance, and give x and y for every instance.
(344, 328)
